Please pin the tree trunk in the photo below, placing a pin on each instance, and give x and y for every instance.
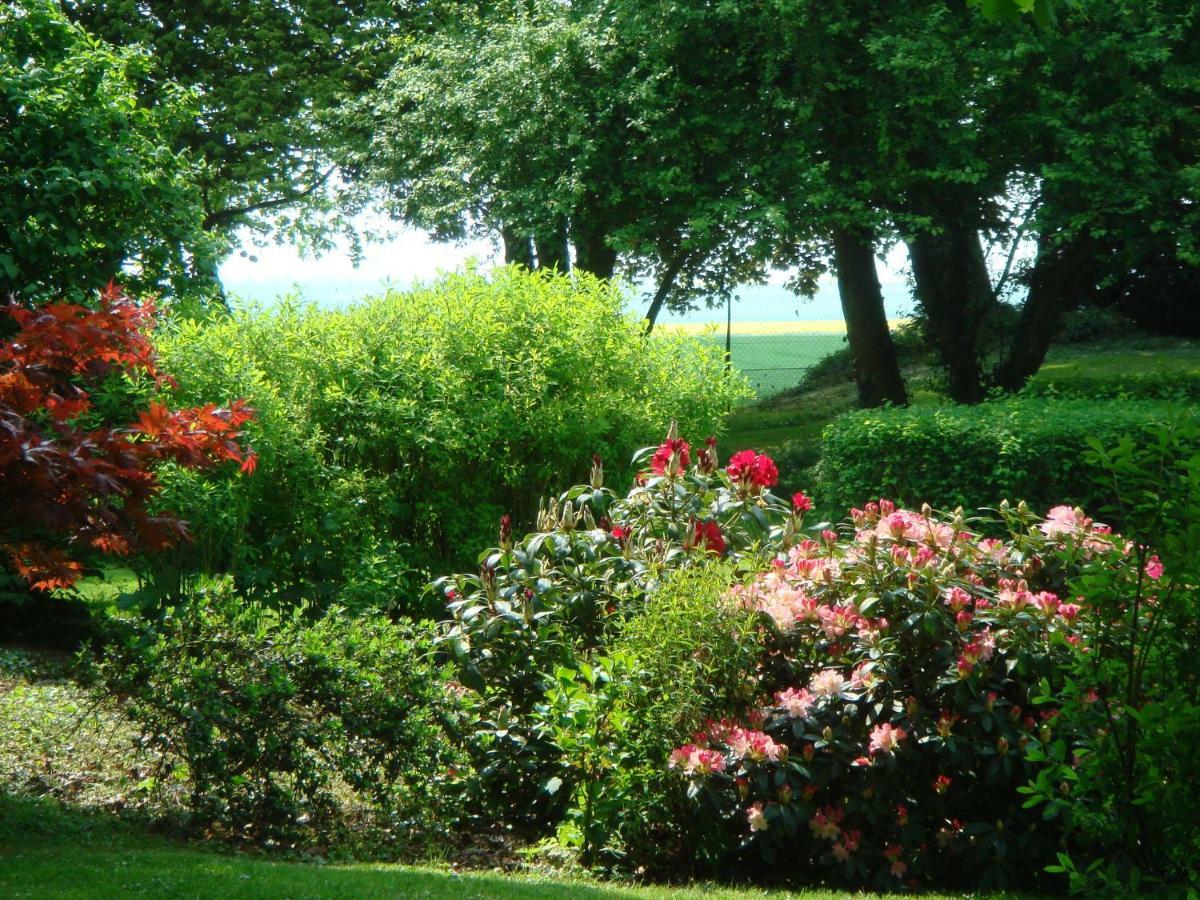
(664, 288)
(876, 369)
(518, 248)
(1058, 281)
(592, 253)
(553, 250)
(956, 294)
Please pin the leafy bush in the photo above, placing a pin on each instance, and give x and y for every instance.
(913, 676)
(378, 423)
(1135, 776)
(686, 656)
(1164, 383)
(950, 456)
(545, 601)
(278, 720)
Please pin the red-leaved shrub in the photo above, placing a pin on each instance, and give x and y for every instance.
(70, 480)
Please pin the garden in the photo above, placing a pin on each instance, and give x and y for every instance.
(487, 586)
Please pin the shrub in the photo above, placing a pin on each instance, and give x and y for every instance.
(1164, 383)
(377, 422)
(277, 720)
(911, 686)
(1134, 775)
(546, 601)
(950, 456)
(686, 656)
(79, 443)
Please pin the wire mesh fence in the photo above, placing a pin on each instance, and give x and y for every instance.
(774, 356)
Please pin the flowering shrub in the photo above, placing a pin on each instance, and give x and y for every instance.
(909, 676)
(73, 481)
(543, 601)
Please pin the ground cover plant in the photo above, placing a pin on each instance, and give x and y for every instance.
(375, 422)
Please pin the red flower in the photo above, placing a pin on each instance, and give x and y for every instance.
(707, 536)
(754, 470)
(671, 458)
(801, 502)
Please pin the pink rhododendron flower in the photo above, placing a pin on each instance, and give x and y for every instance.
(1154, 568)
(957, 599)
(837, 620)
(801, 502)
(757, 817)
(1069, 612)
(885, 738)
(825, 823)
(755, 746)
(693, 760)
(827, 683)
(796, 703)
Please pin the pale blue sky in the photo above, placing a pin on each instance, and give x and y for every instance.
(410, 255)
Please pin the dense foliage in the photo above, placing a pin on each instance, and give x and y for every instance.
(1029, 448)
(77, 477)
(272, 718)
(265, 76)
(91, 187)
(392, 433)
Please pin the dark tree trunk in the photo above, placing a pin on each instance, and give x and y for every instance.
(592, 253)
(664, 288)
(956, 294)
(1057, 282)
(876, 369)
(518, 248)
(553, 250)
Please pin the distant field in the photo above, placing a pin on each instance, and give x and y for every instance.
(822, 326)
(773, 355)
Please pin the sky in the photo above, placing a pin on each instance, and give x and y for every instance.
(263, 274)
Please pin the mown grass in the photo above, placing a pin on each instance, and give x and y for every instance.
(45, 852)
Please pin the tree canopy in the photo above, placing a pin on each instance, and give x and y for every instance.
(89, 185)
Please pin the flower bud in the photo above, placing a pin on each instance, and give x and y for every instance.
(597, 471)
(827, 734)
(506, 533)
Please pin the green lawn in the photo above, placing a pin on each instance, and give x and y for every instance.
(48, 851)
(105, 863)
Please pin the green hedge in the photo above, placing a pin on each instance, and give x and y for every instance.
(1018, 449)
(394, 434)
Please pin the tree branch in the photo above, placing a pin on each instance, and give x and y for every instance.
(223, 217)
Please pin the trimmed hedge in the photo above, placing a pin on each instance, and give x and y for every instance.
(393, 434)
(1027, 448)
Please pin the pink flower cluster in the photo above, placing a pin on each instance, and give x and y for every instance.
(693, 760)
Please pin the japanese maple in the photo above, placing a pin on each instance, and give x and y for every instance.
(70, 480)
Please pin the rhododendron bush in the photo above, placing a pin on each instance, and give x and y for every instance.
(911, 666)
(73, 481)
(550, 598)
(917, 671)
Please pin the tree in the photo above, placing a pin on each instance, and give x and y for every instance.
(76, 477)
(266, 75)
(89, 187)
